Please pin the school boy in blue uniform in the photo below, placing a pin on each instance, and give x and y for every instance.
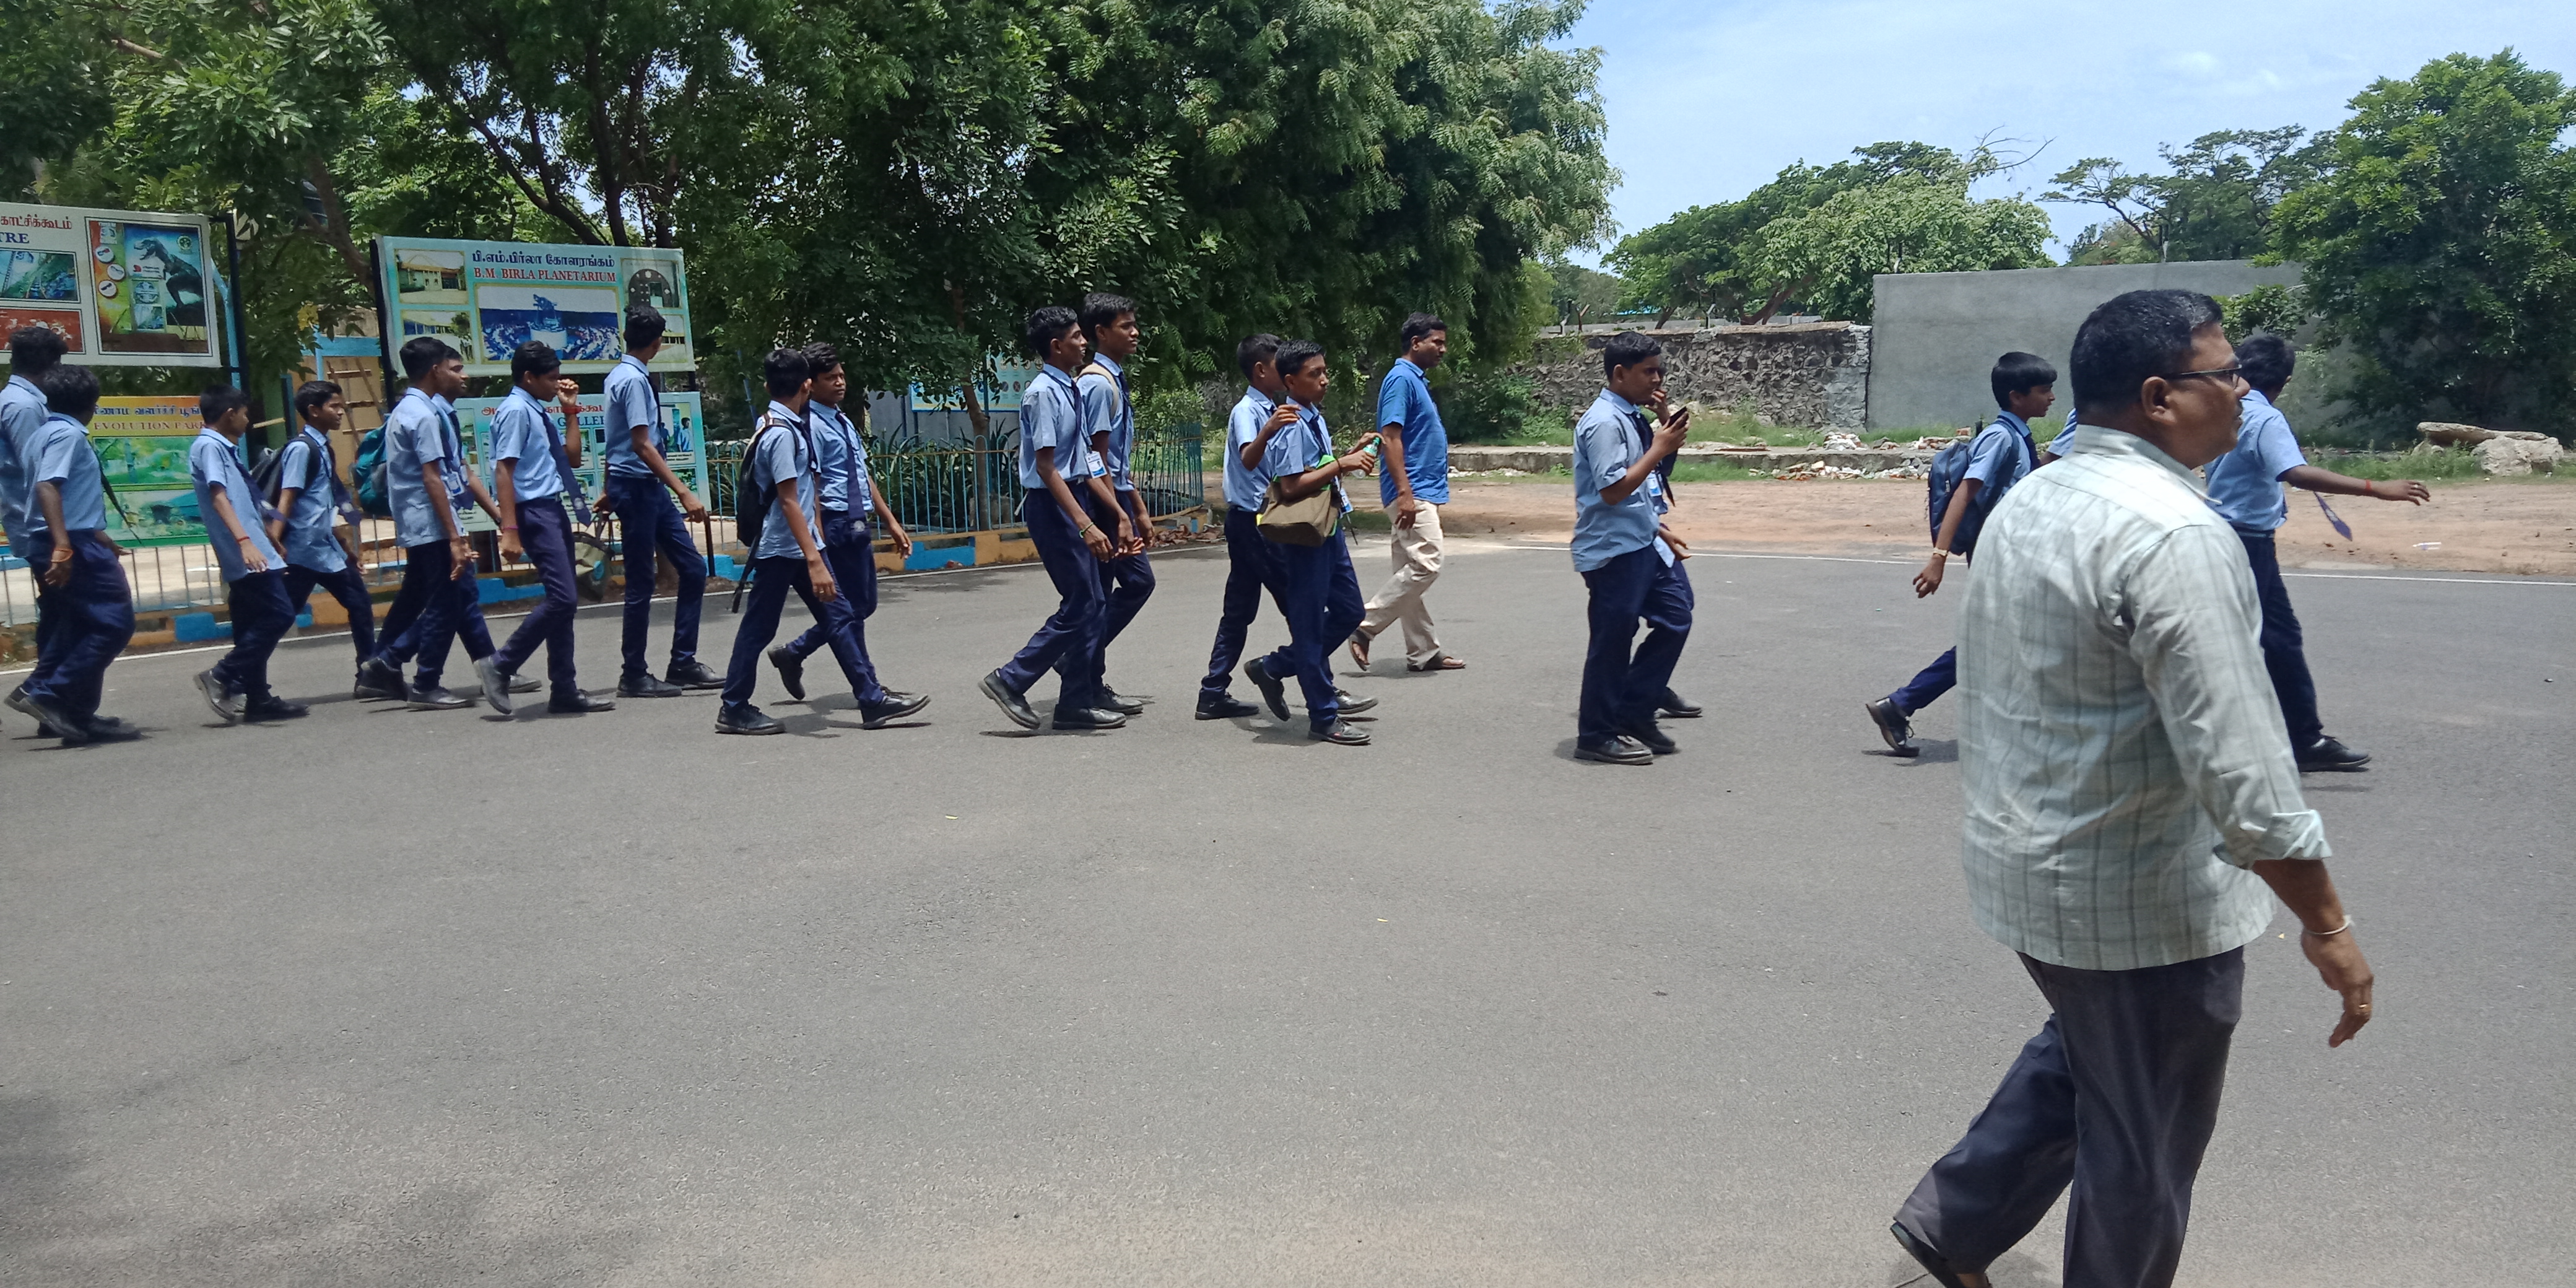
(78, 578)
(639, 491)
(841, 469)
(1127, 576)
(235, 515)
(2002, 454)
(530, 470)
(426, 485)
(33, 350)
(1631, 563)
(2245, 489)
(1251, 562)
(1055, 461)
(1321, 592)
(312, 505)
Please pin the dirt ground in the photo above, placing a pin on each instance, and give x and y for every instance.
(2524, 528)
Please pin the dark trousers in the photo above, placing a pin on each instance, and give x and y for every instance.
(2285, 652)
(347, 586)
(1622, 690)
(1321, 598)
(1929, 683)
(648, 520)
(93, 620)
(261, 616)
(1069, 641)
(1251, 567)
(431, 611)
(545, 535)
(2116, 1096)
(771, 580)
(850, 549)
(1126, 580)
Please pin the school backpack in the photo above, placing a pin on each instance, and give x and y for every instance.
(1949, 468)
(266, 473)
(369, 471)
(750, 500)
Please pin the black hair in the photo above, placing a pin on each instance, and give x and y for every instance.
(1100, 308)
(1294, 354)
(1046, 326)
(644, 326)
(2019, 372)
(1416, 327)
(421, 355)
(1627, 349)
(820, 358)
(786, 371)
(310, 396)
(34, 349)
(69, 390)
(2131, 337)
(1255, 350)
(219, 401)
(533, 358)
(2267, 359)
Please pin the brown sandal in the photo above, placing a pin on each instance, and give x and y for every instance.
(1359, 649)
(1438, 662)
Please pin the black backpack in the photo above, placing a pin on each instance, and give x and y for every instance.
(267, 471)
(1949, 467)
(750, 500)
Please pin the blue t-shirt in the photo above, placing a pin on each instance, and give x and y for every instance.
(2245, 484)
(840, 460)
(422, 429)
(1404, 400)
(215, 466)
(307, 471)
(782, 452)
(1051, 416)
(631, 402)
(59, 453)
(22, 410)
(523, 431)
(1244, 487)
(1107, 408)
(1609, 439)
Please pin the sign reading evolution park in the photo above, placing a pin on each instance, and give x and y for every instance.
(123, 287)
(488, 298)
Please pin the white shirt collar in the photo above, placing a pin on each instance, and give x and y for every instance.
(2099, 440)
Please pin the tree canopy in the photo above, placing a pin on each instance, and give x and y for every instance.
(2216, 202)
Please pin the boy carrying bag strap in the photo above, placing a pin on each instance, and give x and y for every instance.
(1307, 521)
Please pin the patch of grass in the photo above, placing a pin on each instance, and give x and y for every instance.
(1712, 472)
(2425, 462)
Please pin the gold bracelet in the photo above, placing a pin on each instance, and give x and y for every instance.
(1939, 553)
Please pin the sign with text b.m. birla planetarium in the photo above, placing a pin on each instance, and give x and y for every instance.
(488, 298)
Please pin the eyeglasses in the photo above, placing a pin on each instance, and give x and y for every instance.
(2231, 375)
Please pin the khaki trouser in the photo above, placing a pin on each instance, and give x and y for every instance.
(1416, 552)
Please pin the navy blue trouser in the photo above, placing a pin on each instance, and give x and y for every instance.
(2117, 1096)
(2285, 652)
(850, 549)
(347, 586)
(261, 616)
(1070, 636)
(545, 536)
(1251, 566)
(93, 620)
(442, 609)
(1321, 598)
(649, 520)
(1126, 580)
(771, 580)
(1620, 689)
(1929, 683)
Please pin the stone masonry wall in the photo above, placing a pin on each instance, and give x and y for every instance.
(1807, 375)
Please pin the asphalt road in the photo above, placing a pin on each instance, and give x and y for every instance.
(393, 998)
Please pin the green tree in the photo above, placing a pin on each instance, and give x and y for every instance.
(2216, 203)
(1577, 295)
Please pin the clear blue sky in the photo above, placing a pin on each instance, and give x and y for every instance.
(1709, 99)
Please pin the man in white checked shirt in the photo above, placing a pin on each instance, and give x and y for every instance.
(2132, 809)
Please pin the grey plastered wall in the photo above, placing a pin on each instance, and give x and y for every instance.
(1938, 334)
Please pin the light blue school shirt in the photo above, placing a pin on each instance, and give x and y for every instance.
(840, 460)
(782, 452)
(307, 471)
(422, 429)
(1243, 487)
(59, 453)
(2245, 484)
(1609, 439)
(215, 466)
(631, 402)
(1404, 398)
(1051, 416)
(1106, 405)
(22, 409)
(523, 431)
(1299, 448)
(2000, 456)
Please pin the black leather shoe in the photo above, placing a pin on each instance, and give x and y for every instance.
(1341, 731)
(1112, 700)
(1081, 718)
(693, 674)
(17, 701)
(1274, 692)
(791, 671)
(1618, 749)
(1676, 707)
(378, 679)
(1893, 726)
(1225, 706)
(111, 729)
(745, 719)
(219, 698)
(577, 703)
(51, 715)
(1009, 700)
(1655, 739)
(1351, 703)
(525, 684)
(2330, 756)
(646, 686)
(895, 707)
(1942, 1272)
(438, 699)
(496, 684)
(273, 708)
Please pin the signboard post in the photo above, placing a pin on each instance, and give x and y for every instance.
(123, 287)
(487, 298)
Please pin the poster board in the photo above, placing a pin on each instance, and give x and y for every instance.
(999, 391)
(683, 419)
(142, 446)
(122, 287)
(486, 298)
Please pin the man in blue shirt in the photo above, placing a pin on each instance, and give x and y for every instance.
(1251, 562)
(844, 494)
(235, 515)
(312, 506)
(639, 491)
(1055, 458)
(33, 350)
(1127, 576)
(426, 486)
(1631, 563)
(2245, 489)
(78, 577)
(2002, 454)
(1415, 486)
(1320, 594)
(530, 470)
